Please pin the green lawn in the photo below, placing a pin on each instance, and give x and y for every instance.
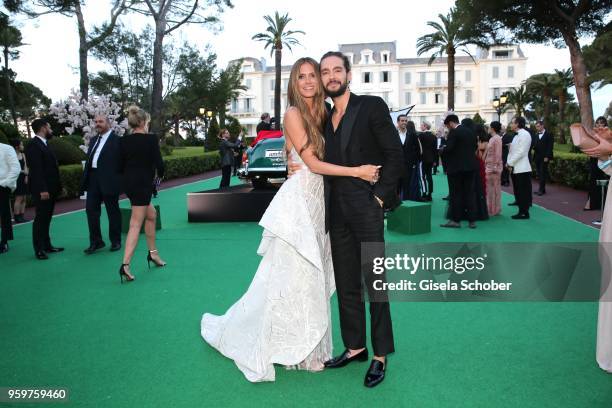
(189, 151)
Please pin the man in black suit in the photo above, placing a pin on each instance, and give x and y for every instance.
(461, 164)
(45, 186)
(429, 141)
(101, 180)
(412, 156)
(264, 124)
(359, 131)
(542, 154)
(226, 150)
(506, 142)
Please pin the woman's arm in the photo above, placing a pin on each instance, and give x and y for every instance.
(295, 132)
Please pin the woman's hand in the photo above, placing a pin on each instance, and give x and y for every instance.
(604, 148)
(368, 172)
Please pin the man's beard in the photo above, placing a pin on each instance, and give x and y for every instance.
(338, 92)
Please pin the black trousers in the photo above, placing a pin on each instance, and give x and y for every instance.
(522, 191)
(226, 174)
(93, 208)
(428, 177)
(542, 170)
(5, 215)
(462, 195)
(42, 222)
(404, 183)
(356, 218)
(237, 164)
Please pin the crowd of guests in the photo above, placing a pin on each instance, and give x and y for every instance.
(478, 160)
(131, 164)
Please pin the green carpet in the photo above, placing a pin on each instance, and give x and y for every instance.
(67, 322)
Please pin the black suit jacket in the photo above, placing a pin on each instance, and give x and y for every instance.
(44, 169)
(543, 148)
(460, 150)
(411, 149)
(109, 166)
(368, 136)
(429, 141)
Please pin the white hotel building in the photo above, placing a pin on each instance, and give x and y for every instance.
(401, 82)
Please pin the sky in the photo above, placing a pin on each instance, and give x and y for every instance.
(50, 60)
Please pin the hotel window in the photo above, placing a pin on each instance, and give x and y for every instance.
(385, 76)
(271, 103)
(468, 96)
(505, 54)
(366, 57)
(349, 55)
(439, 98)
(496, 93)
(248, 83)
(468, 76)
(438, 78)
(511, 72)
(234, 105)
(422, 77)
(247, 105)
(272, 83)
(384, 57)
(407, 98)
(423, 98)
(367, 77)
(407, 78)
(285, 85)
(495, 72)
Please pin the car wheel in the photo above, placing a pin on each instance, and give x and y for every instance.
(260, 182)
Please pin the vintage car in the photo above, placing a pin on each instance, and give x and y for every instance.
(264, 163)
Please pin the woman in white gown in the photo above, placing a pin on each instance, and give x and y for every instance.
(284, 316)
(604, 322)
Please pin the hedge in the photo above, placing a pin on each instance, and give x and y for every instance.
(570, 169)
(175, 167)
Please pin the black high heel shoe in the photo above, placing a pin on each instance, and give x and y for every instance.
(124, 274)
(150, 259)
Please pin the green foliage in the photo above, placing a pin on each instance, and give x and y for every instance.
(10, 131)
(478, 120)
(166, 150)
(597, 58)
(234, 126)
(74, 139)
(3, 138)
(570, 169)
(70, 176)
(66, 152)
(211, 142)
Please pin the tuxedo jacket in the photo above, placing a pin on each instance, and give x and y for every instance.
(109, 165)
(543, 148)
(226, 151)
(412, 149)
(368, 136)
(460, 150)
(429, 141)
(44, 169)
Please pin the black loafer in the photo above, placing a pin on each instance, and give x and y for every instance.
(93, 248)
(3, 248)
(375, 374)
(41, 255)
(53, 249)
(115, 247)
(520, 217)
(343, 359)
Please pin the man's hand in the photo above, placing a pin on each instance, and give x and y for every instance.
(292, 167)
(44, 195)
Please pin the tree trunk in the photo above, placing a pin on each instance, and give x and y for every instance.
(451, 79)
(277, 88)
(583, 90)
(176, 127)
(9, 90)
(547, 103)
(562, 104)
(83, 51)
(158, 85)
(27, 121)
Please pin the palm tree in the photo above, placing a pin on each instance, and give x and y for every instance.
(10, 38)
(562, 80)
(448, 38)
(275, 37)
(543, 85)
(518, 98)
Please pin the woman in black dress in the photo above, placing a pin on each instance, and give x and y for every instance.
(140, 159)
(22, 183)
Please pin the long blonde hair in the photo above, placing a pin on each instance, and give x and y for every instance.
(313, 121)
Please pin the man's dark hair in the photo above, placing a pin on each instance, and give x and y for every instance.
(496, 126)
(520, 122)
(38, 124)
(265, 115)
(344, 58)
(540, 122)
(401, 115)
(451, 118)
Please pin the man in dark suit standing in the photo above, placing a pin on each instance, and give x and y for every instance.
(429, 141)
(359, 131)
(226, 150)
(543, 154)
(264, 124)
(412, 156)
(461, 164)
(101, 180)
(45, 186)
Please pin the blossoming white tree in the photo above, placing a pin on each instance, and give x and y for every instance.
(79, 115)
